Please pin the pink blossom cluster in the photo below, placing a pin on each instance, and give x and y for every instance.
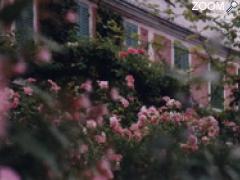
(54, 86)
(201, 130)
(139, 129)
(133, 51)
(208, 126)
(171, 103)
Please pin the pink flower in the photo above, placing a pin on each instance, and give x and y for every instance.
(91, 124)
(81, 102)
(83, 148)
(44, 55)
(54, 86)
(15, 100)
(20, 68)
(28, 91)
(134, 127)
(123, 54)
(141, 51)
(132, 51)
(114, 94)
(124, 102)
(8, 174)
(114, 121)
(138, 135)
(31, 80)
(101, 139)
(71, 16)
(87, 86)
(112, 156)
(103, 84)
(130, 81)
(166, 98)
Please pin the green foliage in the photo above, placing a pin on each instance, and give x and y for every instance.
(109, 25)
(99, 61)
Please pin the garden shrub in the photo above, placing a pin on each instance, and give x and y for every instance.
(100, 61)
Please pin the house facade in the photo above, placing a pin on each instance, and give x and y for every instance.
(175, 48)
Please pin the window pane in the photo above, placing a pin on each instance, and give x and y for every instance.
(217, 95)
(83, 30)
(181, 57)
(131, 32)
(217, 91)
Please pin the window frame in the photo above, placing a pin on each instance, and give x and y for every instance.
(125, 33)
(219, 83)
(183, 48)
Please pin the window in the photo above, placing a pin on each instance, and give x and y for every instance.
(181, 57)
(24, 24)
(83, 30)
(217, 93)
(131, 32)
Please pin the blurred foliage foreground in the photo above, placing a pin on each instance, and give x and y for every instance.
(96, 113)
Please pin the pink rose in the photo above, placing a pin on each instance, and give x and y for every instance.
(87, 86)
(114, 121)
(132, 51)
(114, 94)
(103, 84)
(166, 98)
(28, 91)
(141, 51)
(54, 86)
(31, 80)
(81, 102)
(134, 127)
(8, 174)
(123, 54)
(101, 139)
(130, 81)
(91, 124)
(124, 102)
(112, 156)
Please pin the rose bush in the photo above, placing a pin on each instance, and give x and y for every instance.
(97, 130)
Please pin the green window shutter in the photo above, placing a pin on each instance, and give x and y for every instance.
(131, 32)
(181, 57)
(83, 30)
(24, 24)
(217, 95)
